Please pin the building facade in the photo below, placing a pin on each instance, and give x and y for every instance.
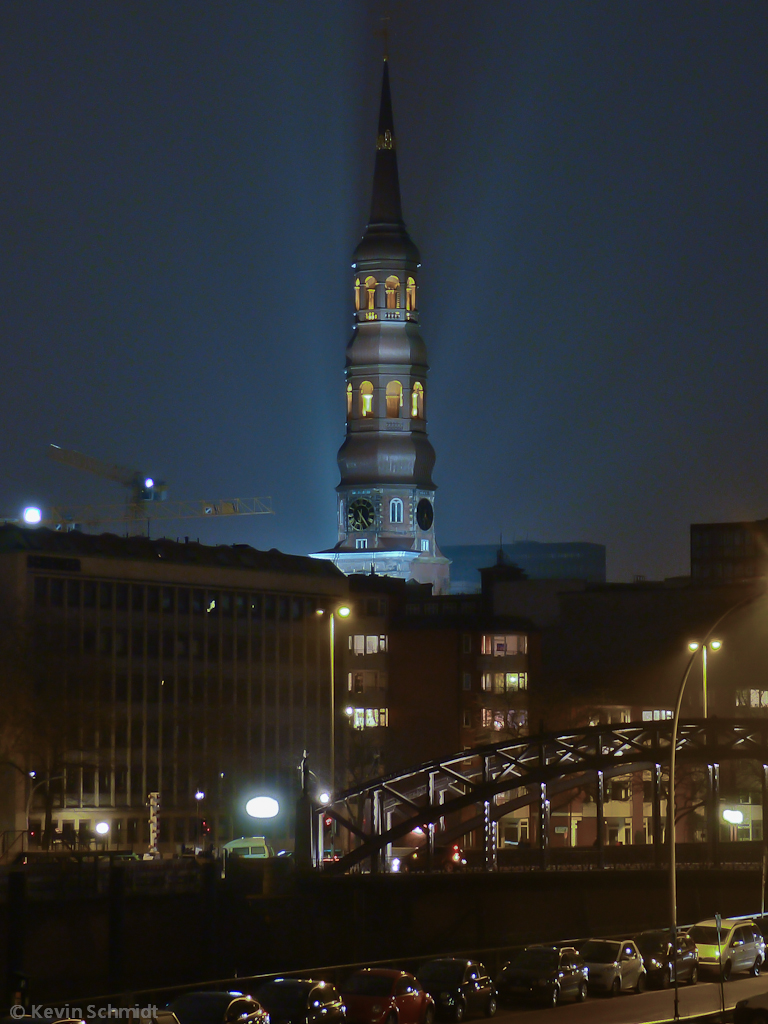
(199, 673)
(386, 496)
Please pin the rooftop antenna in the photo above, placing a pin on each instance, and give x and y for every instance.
(383, 33)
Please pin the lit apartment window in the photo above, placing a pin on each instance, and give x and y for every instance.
(505, 682)
(500, 646)
(364, 680)
(361, 644)
(752, 698)
(653, 716)
(370, 718)
(361, 543)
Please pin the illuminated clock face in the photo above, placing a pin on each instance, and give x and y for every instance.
(424, 514)
(360, 514)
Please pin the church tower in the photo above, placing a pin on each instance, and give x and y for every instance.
(386, 497)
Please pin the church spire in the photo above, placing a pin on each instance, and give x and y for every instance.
(385, 201)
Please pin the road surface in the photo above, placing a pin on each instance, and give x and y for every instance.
(629, 1008)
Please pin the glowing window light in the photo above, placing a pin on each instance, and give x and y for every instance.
(733, 817)
(32, 515)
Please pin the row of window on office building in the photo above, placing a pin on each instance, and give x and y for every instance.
(56, 592)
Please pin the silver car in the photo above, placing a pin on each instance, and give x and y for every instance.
(741, 946)
(613, 966)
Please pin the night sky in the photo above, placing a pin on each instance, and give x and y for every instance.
(183, 184)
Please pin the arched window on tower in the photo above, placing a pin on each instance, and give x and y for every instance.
(410, 294)
(392, 287)
(394, 399)
(366, 399)
(370, 292)
(396, 510)
(357, 293)
(417, 402)
(349, 400)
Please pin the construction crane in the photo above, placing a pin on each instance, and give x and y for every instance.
(147, 499)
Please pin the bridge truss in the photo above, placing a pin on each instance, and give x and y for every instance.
(473, 789)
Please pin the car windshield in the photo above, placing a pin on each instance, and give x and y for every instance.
(534, 960)
(201, 1007)
(651, 944)
(442, 972)
(368, 985)
(707, 934)
(283, 999)
(598, 952)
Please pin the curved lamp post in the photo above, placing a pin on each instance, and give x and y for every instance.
(707, 641)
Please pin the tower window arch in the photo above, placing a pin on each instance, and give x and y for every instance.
(392, 288)
(396, 510)
(410, 294)
(417, 402)
(370, 292)
(394, 399)
(349, 400)
(357, 293)
(366, 399)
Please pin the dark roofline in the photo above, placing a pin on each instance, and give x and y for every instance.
(141, 549)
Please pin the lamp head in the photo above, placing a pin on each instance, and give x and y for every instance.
(694, 645)
(344, 612)
(715, 645)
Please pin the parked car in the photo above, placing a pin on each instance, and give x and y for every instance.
(382, 996)
(656, 950)
(218, 1008)
(301, 1001)
(741, 948)
(614, 966)
(752, 1011)
(544, 974)
(458, 987)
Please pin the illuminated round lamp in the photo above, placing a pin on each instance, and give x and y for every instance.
(102, 827)
(324, 798)
(262, 807)
(395, 864)
(693, 646)
(715, 645)
(149, 482)
(344, 612)
(733, 817)
(199, 795)
(349, 711)
(32, 515)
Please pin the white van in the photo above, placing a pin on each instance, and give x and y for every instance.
(249, 848)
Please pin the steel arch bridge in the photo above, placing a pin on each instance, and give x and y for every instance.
(473, 789)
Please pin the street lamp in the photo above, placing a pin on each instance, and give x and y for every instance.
(693, 647)
(712, 645)
(343, 611)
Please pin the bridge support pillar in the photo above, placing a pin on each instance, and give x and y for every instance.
(658, 839)
(489, 825)
(376, 814)
(600, 818)
(713, 813)
(544, 825)
(432, 825)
